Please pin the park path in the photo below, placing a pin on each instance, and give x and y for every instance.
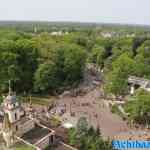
(96, 113)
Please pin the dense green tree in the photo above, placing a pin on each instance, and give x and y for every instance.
(73, 136)
(46, 77)
(18, 61)
(74, 63)
(121, 46)
(27, 60)
(85, 138)
(81, 40)
(142, 68)
(65, 68)
(9, 69)
(138, 107)
(116, 80)
(98, 55)
(24, 55)
(143, 60)
(106, 43)
(46, 46)
(82, 126)
(137, 42)
(144, 49)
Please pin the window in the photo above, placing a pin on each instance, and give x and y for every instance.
(16, 128)
(51, 139)
(15, 116)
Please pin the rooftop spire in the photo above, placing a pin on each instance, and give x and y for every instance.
(10, 87)
(6, 123)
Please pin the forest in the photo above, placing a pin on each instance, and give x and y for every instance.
(41, 63)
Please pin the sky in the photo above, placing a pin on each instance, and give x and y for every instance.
(101, 11)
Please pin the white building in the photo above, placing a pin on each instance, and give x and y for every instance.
(106, 34)
(138, 82)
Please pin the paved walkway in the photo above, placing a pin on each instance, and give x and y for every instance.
(94, 109)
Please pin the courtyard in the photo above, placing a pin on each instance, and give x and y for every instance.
(94, 109)
(33, 136)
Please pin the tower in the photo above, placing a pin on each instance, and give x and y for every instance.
(12, 114)
(7, 131)
(35, 30)
(11, 106)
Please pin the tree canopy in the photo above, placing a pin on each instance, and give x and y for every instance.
(116, 80)
(40, 63)
(87, 138)
(138, 107)
(65, 68)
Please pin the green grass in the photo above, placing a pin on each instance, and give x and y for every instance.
(115, 110)
(1, 99)
(24, 148)
(55, 122)
(21, 146)
(46, 101)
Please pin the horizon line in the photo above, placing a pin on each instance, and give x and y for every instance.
(81, 22)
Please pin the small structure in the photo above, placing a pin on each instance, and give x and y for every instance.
(35, 30)
(68, 125)
(106, 34)
(7, 132)
(136, 82)
(59, 33)
(17, 125)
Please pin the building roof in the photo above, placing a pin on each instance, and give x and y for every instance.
(35, 134)
(1, 119)
(11, 99)
(67, 125)
(6, 123)
(148, 85)
(139, 81)
(1, 111)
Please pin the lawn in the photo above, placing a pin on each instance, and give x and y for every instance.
(115, 110)
(24, 148)
(33, 136)
(55, 121)
(19, 146)
(45, 101)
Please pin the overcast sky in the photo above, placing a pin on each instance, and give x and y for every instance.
(109, 11)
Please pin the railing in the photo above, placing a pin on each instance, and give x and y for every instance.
(138, 81)
(22, 140)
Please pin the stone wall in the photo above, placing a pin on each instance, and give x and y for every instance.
(43, 144)
(27, 126)
(21, 128)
